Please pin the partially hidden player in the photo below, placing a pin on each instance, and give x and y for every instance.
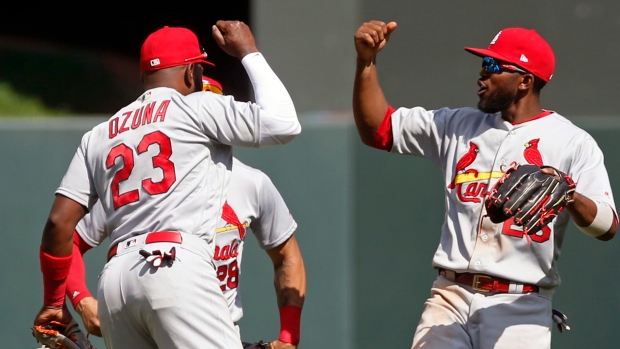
(160, 168)
(495, 283)
(253, 205)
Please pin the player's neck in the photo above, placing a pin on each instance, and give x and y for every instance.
(521, 111)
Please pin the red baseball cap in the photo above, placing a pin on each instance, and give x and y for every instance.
(171, 46)
(522, 47)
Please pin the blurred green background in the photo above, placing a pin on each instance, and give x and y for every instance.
(368, 221)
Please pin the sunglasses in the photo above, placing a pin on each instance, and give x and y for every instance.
(212, 88)
(495, 67)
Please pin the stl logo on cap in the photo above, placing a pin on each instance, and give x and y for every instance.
(524, 48)
(169, 47)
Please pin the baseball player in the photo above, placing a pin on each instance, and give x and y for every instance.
(495, 283)
(254, 203)
(160, 168)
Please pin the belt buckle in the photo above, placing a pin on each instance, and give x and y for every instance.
(476, 282)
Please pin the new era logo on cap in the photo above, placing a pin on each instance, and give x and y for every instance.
(169, 47)
(522, 47)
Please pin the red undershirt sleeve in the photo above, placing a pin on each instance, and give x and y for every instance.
(76, 280)
(383, 138)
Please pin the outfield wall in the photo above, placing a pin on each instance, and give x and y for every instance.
(368, 227)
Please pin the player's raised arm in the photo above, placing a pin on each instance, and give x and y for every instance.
(278, 117)
(369, 103)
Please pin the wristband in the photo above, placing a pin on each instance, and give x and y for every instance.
(290, 318)
(55, 271)
(603, 220)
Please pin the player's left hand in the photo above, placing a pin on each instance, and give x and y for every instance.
(533, 196)
(269, 345)
(281, 345)
(87, 308)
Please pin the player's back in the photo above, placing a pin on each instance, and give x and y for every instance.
(253, 203)
(155, 168)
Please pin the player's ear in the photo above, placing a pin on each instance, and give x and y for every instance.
(188, 74)
(527, 81)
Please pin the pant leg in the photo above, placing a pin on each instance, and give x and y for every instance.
(457, 317)
(178, 306)
(443, 321)
(511, 321)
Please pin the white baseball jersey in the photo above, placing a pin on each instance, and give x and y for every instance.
(474, 149)
(253, 202)
(162, 163)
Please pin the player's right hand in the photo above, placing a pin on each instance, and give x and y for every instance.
(47, 314)
(234, 38)
(371, 37)
(87, 308)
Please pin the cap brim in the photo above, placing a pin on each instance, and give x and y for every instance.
(199, 59)
(482, 52)
(206, 62)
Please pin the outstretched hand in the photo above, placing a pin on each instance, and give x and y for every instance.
(371, 37)
(234, 37)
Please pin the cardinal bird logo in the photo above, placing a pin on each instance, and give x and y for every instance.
(465, 161)
(230, 216)
(531, 152)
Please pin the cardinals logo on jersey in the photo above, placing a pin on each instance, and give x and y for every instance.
(470, 184)
(531, 152)
(226, 246)
(228, 249)
(230, 217)
(465, 161)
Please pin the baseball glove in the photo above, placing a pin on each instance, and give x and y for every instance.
(257, 345)
(56, 335)
(529, 196)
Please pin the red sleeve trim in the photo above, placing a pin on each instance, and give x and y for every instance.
(383, 138)
(76, 280)
(55, 271)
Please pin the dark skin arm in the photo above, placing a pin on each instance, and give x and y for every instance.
(369, 102)
(87, 308)
(57, 240)
(234, 38)
(583, 210)
(289, 278)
